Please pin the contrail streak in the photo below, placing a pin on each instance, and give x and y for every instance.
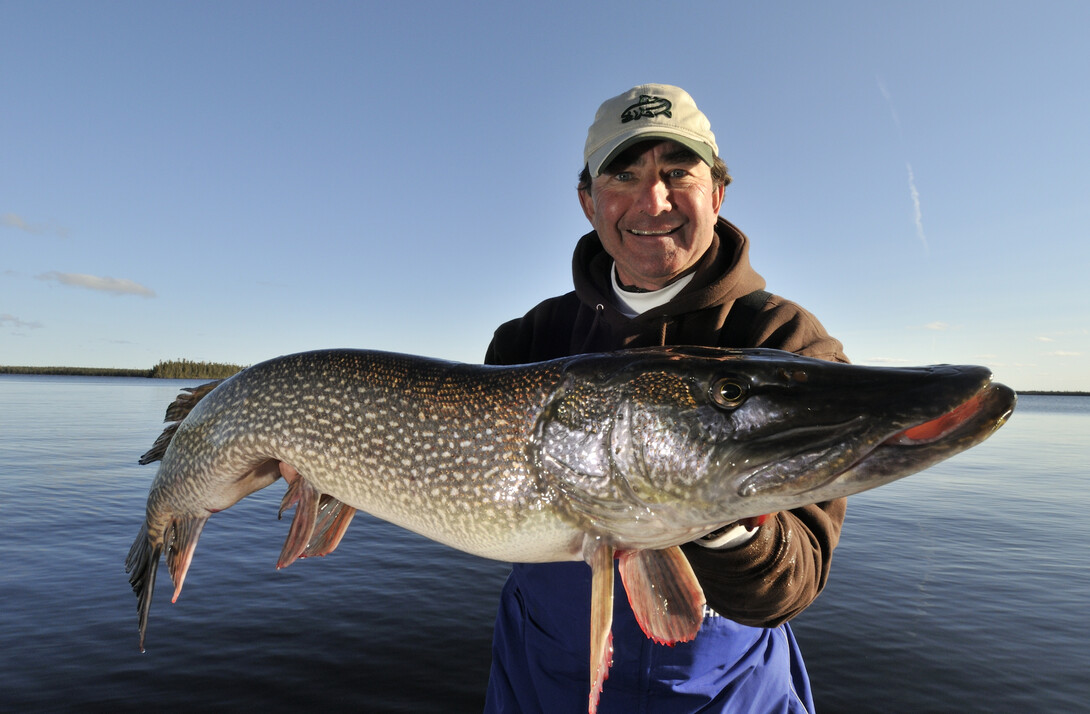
(917, 214)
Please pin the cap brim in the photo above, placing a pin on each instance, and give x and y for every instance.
(608, 154)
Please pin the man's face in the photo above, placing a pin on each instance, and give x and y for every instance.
(654, 209)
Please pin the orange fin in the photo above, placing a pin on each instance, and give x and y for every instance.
(601, 621)
(664, 593)
(306, 499)
(333, 519)
(181, 542)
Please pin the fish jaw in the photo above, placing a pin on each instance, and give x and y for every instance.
(928, 443)
(689, 439)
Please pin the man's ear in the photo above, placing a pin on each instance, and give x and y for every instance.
(587, 202)
(717, 199)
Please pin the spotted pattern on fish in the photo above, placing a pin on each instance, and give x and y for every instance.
(591, 457)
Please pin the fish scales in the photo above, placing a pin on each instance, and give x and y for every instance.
(428, 445)
(618, 457)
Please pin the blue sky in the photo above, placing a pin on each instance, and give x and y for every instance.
(231, 181)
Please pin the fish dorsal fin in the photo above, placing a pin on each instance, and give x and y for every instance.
(600, 560)
(176, 412)
(184, 403)
(664, 593)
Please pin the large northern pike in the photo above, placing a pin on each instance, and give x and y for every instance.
(627, 454)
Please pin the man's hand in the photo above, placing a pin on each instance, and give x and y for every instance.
(734, 534)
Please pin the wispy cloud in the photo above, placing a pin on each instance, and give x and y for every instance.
(12, 220)
(1042, 338)
(1063, 353)
(116, 286)
(917, 213)
(13, 321)
(938, 326)
(889, 103)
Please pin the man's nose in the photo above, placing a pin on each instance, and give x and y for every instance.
(655, 197)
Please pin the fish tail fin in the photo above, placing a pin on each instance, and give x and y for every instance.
(142, 564)
(176, 412)
(184, 533)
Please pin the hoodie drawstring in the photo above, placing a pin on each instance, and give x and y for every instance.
(598, 310)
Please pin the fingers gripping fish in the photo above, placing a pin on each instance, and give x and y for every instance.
(621, 456)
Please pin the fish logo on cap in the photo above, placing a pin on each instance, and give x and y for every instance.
(648, 107)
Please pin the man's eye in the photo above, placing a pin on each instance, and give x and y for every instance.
(677, 173)
(623, 176)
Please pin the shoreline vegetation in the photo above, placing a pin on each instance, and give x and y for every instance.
(188, 369)
(171, 369)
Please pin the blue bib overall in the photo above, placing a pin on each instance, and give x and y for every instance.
(540, 657)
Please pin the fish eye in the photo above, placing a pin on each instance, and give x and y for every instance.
(728, 392)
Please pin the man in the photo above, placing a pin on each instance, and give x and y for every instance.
(661, 267)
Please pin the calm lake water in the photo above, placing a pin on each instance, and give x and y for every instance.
(965, 588)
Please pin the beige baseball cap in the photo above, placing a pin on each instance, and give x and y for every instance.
(649, 111)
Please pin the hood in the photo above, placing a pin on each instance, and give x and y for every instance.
(723, 275)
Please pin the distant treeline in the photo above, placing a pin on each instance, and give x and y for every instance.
(172, 369)
(1038, 392)
(186, 369)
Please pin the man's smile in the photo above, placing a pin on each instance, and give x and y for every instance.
(658, 232)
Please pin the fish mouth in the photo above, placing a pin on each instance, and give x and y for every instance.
(927, 443)
(992, 405)
(816, 474)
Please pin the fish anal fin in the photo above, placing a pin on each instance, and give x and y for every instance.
(600, 560)
(182, 536)
(334, 516)
(664, 593)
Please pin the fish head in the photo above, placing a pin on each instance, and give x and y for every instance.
(655, 447)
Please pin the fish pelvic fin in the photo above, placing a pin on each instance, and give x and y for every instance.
(306, 499)
(319, 523)
(334, 516)
(176, 412)
(601, 621)
(664, 593)
(142, 565)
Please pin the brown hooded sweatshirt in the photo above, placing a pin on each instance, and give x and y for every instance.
(778, 573)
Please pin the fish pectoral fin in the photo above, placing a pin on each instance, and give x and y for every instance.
(601, 620)
(664, 593)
